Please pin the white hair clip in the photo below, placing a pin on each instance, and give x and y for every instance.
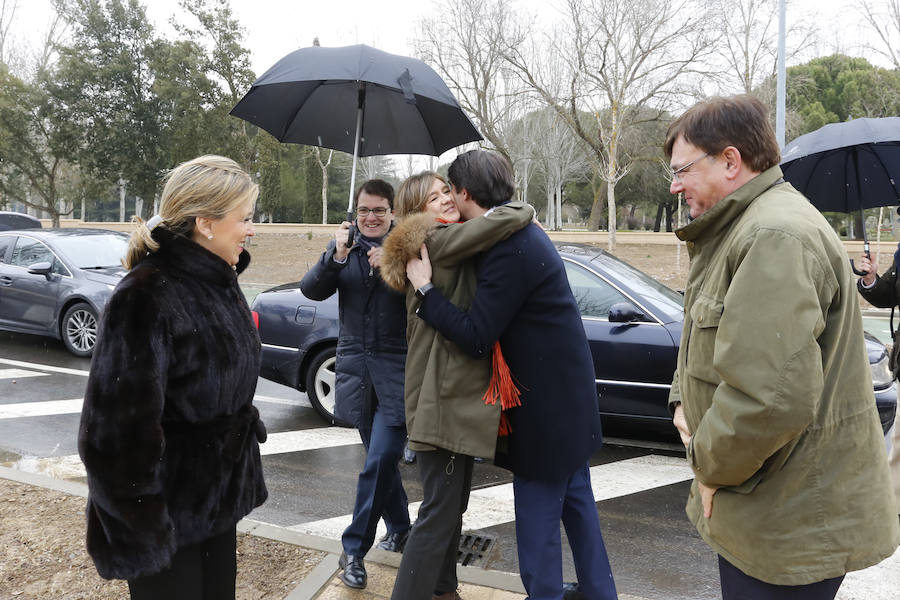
(153, 222)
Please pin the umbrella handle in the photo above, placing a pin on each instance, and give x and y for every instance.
(856, 271)
(351, 236)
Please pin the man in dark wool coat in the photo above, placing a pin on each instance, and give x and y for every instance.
(371, 358)
(523, 299)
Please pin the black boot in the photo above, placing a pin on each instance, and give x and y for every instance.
(354, 574)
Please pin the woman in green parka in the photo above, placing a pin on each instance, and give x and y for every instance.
(450, 417)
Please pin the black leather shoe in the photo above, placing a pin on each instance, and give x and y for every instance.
(572, 591)
(354, 574)
(394, 542)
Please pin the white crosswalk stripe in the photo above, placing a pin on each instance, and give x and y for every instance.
(40, 409)
(40, 367)
(494, 505)
(19, 374)
(70, 467)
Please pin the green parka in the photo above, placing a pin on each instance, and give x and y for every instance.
(444, 386)
(775, 385)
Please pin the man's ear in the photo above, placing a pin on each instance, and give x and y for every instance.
(733, 162)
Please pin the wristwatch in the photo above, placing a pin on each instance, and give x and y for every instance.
(420, 292)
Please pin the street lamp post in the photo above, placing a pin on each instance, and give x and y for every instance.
(780, 87)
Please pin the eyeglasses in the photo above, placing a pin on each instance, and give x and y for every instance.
(677, 174)
(363, 212)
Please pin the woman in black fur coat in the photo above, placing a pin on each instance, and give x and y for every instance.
(168, 433)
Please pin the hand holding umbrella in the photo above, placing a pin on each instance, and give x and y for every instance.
(845, 167)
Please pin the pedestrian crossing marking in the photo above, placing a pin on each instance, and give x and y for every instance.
(40, 409)
(19, 374)
(70, 466)
(494, 505)
(309, 439)
(51, 368)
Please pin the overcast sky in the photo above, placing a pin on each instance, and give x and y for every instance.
(276, 27)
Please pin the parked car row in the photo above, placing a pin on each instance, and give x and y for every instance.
(56, 282)
(633, 325)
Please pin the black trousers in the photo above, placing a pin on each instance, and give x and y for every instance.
(737, 585)
(428, 565)
(204, 571)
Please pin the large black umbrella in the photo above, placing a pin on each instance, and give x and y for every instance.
(844, 167)
(358, 100)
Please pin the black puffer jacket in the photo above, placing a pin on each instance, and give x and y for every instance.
(168, 433)
(371, 350)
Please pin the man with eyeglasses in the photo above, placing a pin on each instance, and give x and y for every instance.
(772, 393)
(371, 358)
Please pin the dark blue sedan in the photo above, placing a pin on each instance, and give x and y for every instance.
(633, 325)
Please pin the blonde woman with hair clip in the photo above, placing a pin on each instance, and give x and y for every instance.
(453, 402)
(169, 434)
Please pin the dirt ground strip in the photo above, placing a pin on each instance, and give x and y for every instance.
(42, 555)
(283, 257)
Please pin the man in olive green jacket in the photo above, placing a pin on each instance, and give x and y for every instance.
(772, 394)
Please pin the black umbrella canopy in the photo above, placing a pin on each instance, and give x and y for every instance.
(311, 96)
(843, 167)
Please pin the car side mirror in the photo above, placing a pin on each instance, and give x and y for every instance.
(623, 312)
(41, 268)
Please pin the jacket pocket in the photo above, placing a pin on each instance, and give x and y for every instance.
(706, 314)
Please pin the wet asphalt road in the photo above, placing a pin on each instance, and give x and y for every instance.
(654, 551)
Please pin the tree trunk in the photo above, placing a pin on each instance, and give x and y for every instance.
(325, 195)
(122, 184)
(612, 174)
(559, 221)
(657, 223)
(551, 209)
(596, 215)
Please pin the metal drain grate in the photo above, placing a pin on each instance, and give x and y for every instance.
(474, 548)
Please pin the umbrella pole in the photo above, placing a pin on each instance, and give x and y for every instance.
(878, 235)
(361, 103)
(862, 215)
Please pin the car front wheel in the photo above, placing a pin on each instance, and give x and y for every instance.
(79, 329)
(320, 376)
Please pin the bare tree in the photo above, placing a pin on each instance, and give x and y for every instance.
(883, 16)
(624, 57)
(373, 167)
(750, 41)
(23, 59)
(466, 43)
(324, 166)
(7, 15)
(559, 156)
(523, 143)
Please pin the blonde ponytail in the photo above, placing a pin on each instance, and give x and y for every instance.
(140, 244)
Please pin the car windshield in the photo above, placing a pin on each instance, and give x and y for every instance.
(93, 251)
(664, 299)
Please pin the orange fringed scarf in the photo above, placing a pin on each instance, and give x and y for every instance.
(502, 387)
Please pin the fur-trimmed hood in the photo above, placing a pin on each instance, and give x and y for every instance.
(403, 244)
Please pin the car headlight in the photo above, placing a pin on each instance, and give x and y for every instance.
(881, 373)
